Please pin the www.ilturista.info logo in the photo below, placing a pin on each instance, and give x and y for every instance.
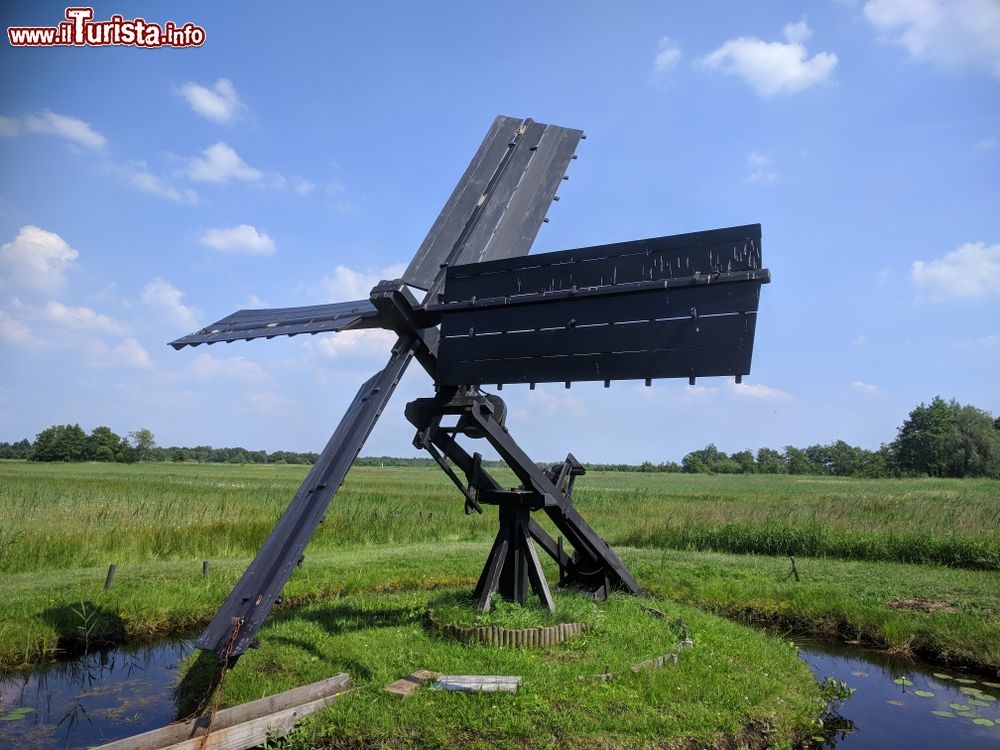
(80, 30)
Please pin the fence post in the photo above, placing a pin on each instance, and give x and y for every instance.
(111, 576)
(204, 567)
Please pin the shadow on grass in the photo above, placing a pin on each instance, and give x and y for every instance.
(85, 627)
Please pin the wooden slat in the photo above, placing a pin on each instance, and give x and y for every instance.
(583, 310)
(725, 250)
(272, 711)
(441, 238)
(679, 334)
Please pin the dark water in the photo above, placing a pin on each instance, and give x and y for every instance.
(94, 699)
(885, 714)
(113, 694)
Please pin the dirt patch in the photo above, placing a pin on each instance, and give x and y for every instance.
(920, 604)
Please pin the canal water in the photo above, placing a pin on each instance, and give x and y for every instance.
(108, 695)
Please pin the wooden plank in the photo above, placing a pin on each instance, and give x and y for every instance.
(562, 311)
(678, 334)
(478, 683)
(406, 685)
(620, 263)
(290, 700)
(724, 250)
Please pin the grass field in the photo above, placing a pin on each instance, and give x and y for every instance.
(72, 515)
(397, 538)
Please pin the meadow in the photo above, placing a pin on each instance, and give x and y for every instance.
(904, 565)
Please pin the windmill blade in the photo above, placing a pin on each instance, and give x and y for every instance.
(499, 205)
(244, 325)
(667, 307)
(235, 625)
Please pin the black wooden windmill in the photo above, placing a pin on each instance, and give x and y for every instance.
(678, 306)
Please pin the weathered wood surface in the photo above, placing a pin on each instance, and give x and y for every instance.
(494, 635)
(248, 724)
(406, 685)
(470, 683)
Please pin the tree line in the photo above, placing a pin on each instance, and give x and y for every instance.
(940, 439)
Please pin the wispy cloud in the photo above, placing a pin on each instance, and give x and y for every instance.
(71, 129)
(758, 391)
(166, 299)
(219, 163)
(972, 271)
(958, 35)
(239, 239)
(862, 387)
(668, 54)
(773, 68)
(135, 174)
(219, 103)
(761, 169)
(347, 283)
(986, 144)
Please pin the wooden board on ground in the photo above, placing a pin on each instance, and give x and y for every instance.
(470, 683)
(406, 685)
(240, 727)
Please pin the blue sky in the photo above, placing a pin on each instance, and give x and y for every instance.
(298, 157)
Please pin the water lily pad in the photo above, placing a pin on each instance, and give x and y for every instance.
(925, 694)
(945, 714)
(984, 722)
(22, 710)
(942, 676)
(896, 703)
(12, 717)
(902, 681)
(965, 681)
(992, 684)
(979, 703)
(984, 697)
(970, 690)
(968, 714)
(958, 706)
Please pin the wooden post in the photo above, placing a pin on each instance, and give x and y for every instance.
(111, 576)
(204, 568)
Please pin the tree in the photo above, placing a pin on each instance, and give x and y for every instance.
(62, 442)
(769, 461)
(103, 445)
(744, 459)
(798, 462)
(141, 444)
(975, 450)
(926, 438)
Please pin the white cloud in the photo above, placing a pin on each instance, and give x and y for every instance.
(758, 391)
(958, 35)
(72, 129)
(347, 284)
(205, 367)
(80, 319)
(373, 342)
(240, 239)
(773, 67)
(761, 169)
(219, 103)
(862, 387)
(304, 187)
(986, 144)
(131, 353)
(667, 56)
(36, 260)
(219, 163)
(972, 271)
(165, 298)
(14, 331)
(138, 176)
(271, 402)
(859, 340)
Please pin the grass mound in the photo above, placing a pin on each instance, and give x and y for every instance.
(735, 686)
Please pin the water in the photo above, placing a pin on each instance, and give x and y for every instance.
(108, 695)
(884, 714)
(97, 698)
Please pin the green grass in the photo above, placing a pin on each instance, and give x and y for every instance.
(732, 684)
(68, 516)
